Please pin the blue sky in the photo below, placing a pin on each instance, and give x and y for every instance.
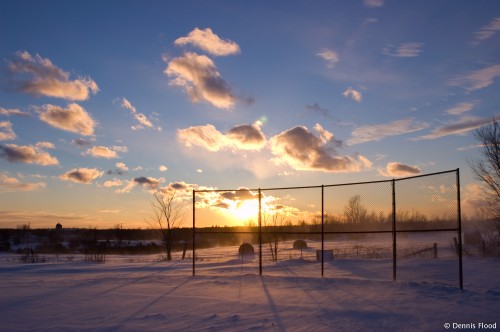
(102, 102)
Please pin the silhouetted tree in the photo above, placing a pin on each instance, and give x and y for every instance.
(167, 217)
(354, 212)
(487, 168)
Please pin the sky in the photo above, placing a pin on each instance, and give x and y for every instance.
(102, 103)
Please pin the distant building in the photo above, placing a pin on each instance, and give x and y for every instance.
(58, 227)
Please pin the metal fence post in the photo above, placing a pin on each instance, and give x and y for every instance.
(322, 230)
(260, 232)
(459, 219)
(394, 246)
(194, 228)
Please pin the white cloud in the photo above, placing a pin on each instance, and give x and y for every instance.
(82, 175)
(396, 169)
(198, 76)
(208, 41)
(74, 118)
(10, 184)
(406, 50)
(6, 131)
(374, 3)
(12, 111)
(142, 119)
(302, 150)
(331, 57)
(489, 30)
(353, 94)
(48, 80)
(461, 108)
(478, 79)
(459, 127)
(163, 168)
(240, 137)
(374, 133)
(27, 154)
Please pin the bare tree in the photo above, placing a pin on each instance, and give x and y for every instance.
(167, 217)
(487, 168)
(354, 212)
(274, 224)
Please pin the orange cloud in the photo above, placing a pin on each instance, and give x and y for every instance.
(48, 80)
(198, 76)
(302, 150)
(74, 118)
(28, 154)
(208, 41)
(82, 175)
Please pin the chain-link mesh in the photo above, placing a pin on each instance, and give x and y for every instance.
(404, 229)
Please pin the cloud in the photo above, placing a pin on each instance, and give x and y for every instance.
(370, 20)
(240, 137)
(455, 128)
(199, 77)
(208, 41)
(353, 94)
(475, 199)
(28, 154)
(121, 166)
(163, 168)
(6, 131)
(206, 136)
(82, 142)
(395, 169)
(247, 137)
(374, 3)
(142, 120)
(12, 111)
(82, 175)
(478, 79)
(487, 31)
(330, 57)
(10, 184)
(48, 80)
(406, 50)
(460, 108)
(113, 183)
(316, 108)
(45, 145)
(374, 133)
(101, 152)
(148, 181)
(302, 150)
(74, 118)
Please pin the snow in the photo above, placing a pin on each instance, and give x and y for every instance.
(140, 293)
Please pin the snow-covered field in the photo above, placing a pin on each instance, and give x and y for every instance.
(138, 293)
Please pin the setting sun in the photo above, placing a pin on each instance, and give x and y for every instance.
(246, 210)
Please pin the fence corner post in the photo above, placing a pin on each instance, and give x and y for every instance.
(459, 220)
(194, 229)
(394, 246)
(322, 230)
(260, 232)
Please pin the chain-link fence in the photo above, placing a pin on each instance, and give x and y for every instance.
(402, 229)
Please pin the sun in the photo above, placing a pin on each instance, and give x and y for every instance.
(246, 210)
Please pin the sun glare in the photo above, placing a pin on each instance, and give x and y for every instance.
(246, 210)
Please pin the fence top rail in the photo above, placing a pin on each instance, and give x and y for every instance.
(328, 185)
